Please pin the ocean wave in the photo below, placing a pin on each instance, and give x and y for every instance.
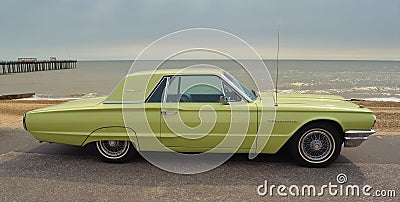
(387, 99)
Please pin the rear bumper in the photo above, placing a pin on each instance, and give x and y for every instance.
(23, 122)
(354, 138)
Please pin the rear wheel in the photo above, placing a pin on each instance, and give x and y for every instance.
(317, 145)
(115, 151)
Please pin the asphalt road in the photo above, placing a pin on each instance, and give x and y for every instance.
(30, 171)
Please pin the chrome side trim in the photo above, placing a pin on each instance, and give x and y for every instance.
(169, 112)
(132, 91)
(283, 121)
(354, 138)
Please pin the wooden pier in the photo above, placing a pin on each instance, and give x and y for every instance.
(8, 67)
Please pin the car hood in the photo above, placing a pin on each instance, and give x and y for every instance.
(301, 98)
(315, 102)
(75, 104)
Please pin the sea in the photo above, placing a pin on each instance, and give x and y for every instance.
(358, 79)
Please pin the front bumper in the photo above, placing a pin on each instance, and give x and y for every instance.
(354, 138)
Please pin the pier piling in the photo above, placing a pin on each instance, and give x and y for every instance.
(8, 67)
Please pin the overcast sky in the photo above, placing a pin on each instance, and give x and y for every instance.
(103, 29)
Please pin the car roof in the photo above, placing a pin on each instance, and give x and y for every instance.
(194, 71)
(145, 81)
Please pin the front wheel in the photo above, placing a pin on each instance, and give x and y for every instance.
(115, 151)
(317, 145)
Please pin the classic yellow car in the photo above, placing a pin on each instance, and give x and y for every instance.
(192, 111)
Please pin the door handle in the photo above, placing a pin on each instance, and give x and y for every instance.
(168, 112)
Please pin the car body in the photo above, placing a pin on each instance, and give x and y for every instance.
(307, 123)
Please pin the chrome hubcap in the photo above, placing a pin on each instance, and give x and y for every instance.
(316, 145)
(113, 149)
(112, 143)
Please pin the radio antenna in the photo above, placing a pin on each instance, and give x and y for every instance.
(277, 70)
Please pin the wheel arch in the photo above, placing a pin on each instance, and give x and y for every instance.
(327, 121)
(113, 133)
(330, 128)
(331, 122)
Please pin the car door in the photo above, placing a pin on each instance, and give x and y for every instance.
(192, 115)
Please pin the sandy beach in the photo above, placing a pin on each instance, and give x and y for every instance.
(12, 111)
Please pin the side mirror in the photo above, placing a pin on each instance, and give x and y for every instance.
(223, 100)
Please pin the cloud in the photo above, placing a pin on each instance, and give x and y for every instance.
(308, 28)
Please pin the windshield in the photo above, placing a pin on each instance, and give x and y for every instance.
(250, 93)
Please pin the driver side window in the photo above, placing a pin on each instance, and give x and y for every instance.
(196, 88)
(230, 94)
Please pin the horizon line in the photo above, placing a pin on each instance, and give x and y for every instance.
(382, 60)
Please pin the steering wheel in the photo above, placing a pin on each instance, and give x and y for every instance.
(185, 98)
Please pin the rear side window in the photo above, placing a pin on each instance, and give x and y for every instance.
(156, 95)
